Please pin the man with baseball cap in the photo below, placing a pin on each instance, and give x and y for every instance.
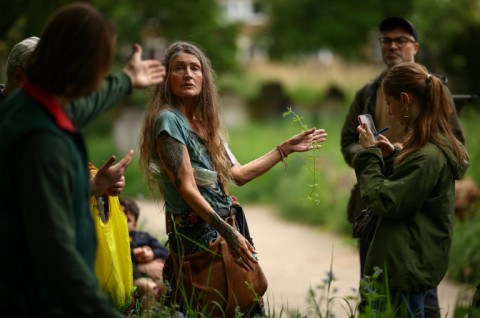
(393, 22)
(398, 43)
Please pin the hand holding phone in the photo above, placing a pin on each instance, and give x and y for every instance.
(367, 119)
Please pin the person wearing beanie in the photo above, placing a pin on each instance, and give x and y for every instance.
(16, 65)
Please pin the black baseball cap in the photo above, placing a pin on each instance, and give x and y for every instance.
(395, 22)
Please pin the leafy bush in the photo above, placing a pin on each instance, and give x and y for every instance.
(465, 254)
(464, 263)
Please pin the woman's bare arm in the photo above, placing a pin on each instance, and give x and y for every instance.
(301, 142)
(176, 162)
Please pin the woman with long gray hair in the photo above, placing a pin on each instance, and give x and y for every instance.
(184, 153)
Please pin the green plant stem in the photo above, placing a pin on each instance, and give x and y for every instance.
(298, 119)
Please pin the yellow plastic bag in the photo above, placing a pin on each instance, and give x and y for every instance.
(113, 263)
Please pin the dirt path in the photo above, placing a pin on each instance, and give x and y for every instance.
(296, 258)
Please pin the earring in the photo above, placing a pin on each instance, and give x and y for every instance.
(405, 110)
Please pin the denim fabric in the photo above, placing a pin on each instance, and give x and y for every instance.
(404, 305)
(415, 304)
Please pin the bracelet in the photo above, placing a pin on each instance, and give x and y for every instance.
(283, 157)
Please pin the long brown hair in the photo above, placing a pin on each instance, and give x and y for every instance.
(207, 112)
(432, 123)
(74, 52)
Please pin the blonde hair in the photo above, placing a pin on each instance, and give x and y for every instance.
(435, 109)
(207, 112)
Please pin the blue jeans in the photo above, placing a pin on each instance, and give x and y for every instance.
(404, 305)
(414, 304)
(432, 308)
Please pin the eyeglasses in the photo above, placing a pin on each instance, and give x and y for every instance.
(400, 41)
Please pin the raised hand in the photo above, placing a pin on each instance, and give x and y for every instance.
(144, 73)
(109, 178)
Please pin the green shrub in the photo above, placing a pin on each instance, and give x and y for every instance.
(305, 95)
(464, 263)
(465, 254)
(469, 120)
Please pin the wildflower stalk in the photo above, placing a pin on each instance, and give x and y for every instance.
(314, 186)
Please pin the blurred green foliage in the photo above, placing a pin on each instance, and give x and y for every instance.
(340, 26)
(140, 21)
(295, 29)
(448, 33)
(465, 253)
(195, 21)
(464, 263)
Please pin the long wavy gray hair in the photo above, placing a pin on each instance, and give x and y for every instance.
(207, 112)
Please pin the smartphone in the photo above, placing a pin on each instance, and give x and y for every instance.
(367, 119)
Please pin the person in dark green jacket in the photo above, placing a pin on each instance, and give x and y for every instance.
(399, 42)
(415, 202)
(137, 73)
(45, 221)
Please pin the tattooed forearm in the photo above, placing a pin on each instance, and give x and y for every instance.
(171, 154)
(225, 230)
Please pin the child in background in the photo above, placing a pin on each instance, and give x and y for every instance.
(148, 257)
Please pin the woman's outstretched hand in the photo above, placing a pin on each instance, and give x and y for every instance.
(304, 141)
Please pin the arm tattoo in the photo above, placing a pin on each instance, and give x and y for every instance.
(224, 229)
(171, 154)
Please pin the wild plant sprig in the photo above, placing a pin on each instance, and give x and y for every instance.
(296, 119)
